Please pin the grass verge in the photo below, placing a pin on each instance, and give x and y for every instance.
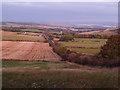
(25, 74)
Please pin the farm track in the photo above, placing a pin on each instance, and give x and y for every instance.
(28, 51)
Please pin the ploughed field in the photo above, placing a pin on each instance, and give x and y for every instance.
(12, 50)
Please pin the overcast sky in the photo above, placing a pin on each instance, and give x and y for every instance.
(61, 12)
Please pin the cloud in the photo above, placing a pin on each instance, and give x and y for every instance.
(56, 12)
(57, 5)
(60, 0)
(18, 3)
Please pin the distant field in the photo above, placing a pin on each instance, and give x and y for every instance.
(32, 30)
(12, 36)
(5, 25)
(32, 34)
(110, 31)
(33, 74)
(83, 45)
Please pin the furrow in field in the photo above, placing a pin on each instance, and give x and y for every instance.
(7, 45)
(28, 51)
(13, 53)
(10, 50)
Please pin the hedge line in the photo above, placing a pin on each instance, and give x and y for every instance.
(83, 59)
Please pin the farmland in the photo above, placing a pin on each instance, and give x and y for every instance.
(40, 67)
(29, 62)
(83, 45)
(12, 50)
(13, 36)
(32, 30)
(34, 74)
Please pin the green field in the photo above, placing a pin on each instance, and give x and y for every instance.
(20, 37)
(89, 51)
(91, 46)
(5, 25)
(36, 64)
(31, 33)
(32, 30)
(31, 74)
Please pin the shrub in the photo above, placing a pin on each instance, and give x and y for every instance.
(60, 50)
(67, 38)
(111, 49)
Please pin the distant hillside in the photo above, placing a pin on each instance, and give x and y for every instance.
(109, 31)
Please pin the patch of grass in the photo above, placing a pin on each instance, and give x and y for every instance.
(42, 65)
(32, 30)
(89, 51)
(17, 37)
(5, 25)
(58, 79)
(55, 75)
(86, 44)
(31, 33)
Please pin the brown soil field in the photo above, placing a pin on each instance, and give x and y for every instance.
(12, 50)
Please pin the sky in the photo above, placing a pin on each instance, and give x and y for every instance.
(60, 0)
(61, 12)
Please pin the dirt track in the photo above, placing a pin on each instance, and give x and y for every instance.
(28, 51)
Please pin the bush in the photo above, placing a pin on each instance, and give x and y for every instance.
(67, 38)
(60, 50)
(111, 49)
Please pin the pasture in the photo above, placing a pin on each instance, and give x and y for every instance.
(83, 45)
(13, 36)
(34, 74)
(32, 30)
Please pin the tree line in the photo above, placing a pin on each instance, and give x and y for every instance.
(109, 55)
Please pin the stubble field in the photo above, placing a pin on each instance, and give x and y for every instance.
(12, 50)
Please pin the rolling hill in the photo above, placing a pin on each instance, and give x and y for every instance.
(109, 31)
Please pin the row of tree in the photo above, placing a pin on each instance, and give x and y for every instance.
(91, 36)
(70, 37)
(11, 29)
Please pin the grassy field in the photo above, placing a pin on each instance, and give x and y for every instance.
(37, 64)
(31, 33)
(83, 45)
(32, 30)
(89, 51)
(5, 25)
(20, 37)
(31, 74)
